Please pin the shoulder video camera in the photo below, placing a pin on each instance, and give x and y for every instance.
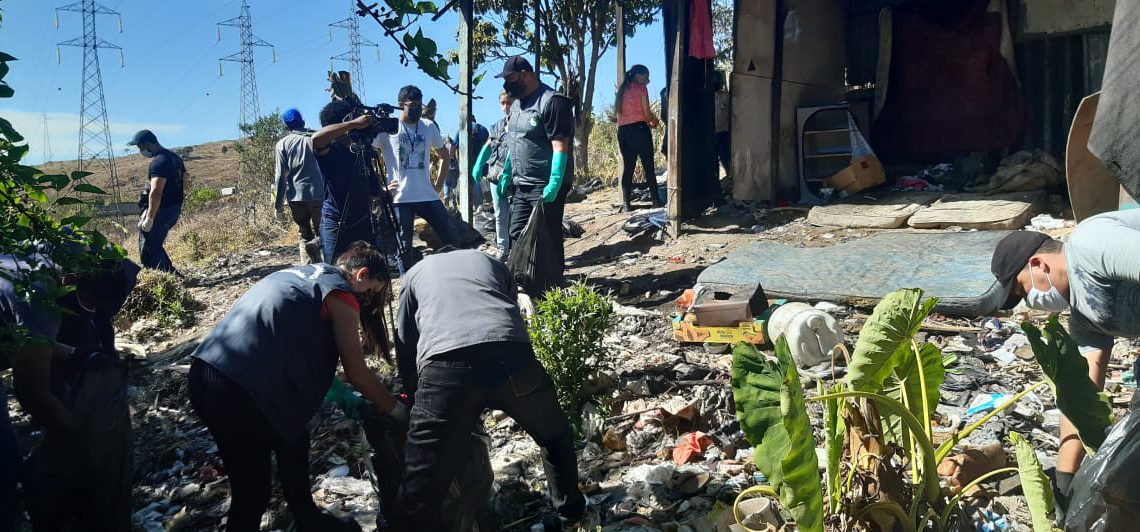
(340, 85)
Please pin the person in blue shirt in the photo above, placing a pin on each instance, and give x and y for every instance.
(346, 215)
(479, 135)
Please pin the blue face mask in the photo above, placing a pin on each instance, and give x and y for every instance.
(1045, 300)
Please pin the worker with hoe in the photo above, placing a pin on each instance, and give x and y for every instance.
(407, 160)
(453, 376)
(1096, 275)
(161, 202)
(346, 215)
(540, 164)
(262, 373)
(299, 179)
(71, 381)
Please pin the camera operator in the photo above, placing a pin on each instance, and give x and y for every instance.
(406, 156)
(346, 215)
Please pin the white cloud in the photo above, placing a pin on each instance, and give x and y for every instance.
(63, 133)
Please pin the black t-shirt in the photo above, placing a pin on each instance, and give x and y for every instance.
(167, 165)
(557, 116)
(347, 193)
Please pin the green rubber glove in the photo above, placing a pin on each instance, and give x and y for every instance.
(500, 190)
(480, 161)
(557, 171)
(343, 396)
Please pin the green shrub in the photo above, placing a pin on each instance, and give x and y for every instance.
(200, 197)
(162, 296)
(566, 332)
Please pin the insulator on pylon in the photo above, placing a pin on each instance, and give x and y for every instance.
(122, 59)
(120, 24)
(274, 52)
(58, 59)
(219, 70)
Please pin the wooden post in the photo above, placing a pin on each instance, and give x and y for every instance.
(465, 29)
(537, 36)
(620, 42)
(675, 118)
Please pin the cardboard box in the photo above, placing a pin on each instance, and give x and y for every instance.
(751, 332)
(863, 173)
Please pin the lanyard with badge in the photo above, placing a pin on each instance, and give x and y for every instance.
(412, 141)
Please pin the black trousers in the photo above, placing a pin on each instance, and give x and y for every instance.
(307, 216)
(245, 442)
(636, 142)
(522, 205)
(453, 390)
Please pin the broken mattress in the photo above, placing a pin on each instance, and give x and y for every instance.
(953, 267)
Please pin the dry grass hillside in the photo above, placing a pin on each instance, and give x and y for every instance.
(214, 164)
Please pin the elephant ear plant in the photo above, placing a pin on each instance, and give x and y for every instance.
(881, 458)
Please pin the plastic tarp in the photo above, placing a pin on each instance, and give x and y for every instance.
(953, 267)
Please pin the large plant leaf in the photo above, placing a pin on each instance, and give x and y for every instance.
(770, 405)
(886, 337)
(905, 385)
(836, 428)
(1068, 375)
(1038, 490)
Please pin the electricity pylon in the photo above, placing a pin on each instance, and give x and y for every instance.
(352, 56)
(95, 150)
(250, 111)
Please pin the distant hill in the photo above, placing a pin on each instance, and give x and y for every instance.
(214, 165)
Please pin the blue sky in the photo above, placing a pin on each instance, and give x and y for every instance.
(170, 81)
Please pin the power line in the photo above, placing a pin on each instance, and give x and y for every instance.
(250, 111)
(352, 56)
(94, 132)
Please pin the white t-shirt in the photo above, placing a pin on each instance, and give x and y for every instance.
(406, 154)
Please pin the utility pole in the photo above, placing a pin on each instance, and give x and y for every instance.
(250, 111)
(620, 16)
(95, 150)
(352, 56)
(466, 28)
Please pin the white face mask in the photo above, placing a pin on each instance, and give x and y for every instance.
(146, 153)
(1046, 301)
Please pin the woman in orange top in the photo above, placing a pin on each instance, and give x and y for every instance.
(634, 138)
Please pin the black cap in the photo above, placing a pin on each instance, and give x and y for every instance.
(1010, 257)
(144, 135)
(515, 65)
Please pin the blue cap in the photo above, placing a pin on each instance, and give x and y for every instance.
(292, 118)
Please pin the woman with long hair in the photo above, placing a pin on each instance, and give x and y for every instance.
(635, 118)
(263, 371)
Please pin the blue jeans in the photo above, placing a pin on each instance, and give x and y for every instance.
(503, 223)
(436, 216)
(151, 252)
(336, 236)
(9, 466)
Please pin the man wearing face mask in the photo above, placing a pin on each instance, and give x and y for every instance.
(1096, 275)
(163, 200)
(540, 140)
(406, 155)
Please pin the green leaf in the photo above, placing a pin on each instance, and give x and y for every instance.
(5, 57)
(409, 42)
(478, 79)
(6, 91)
(1038, 490)
(427, 7)
(836, 429)
(886, 337)
(79, 174)
(770, 406)
(3, 69)
(905, 386)
(1068, 375)
(10, 132)
(75, 221)
(68, 200)
(89, 188)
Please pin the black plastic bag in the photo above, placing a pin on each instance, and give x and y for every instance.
(1105, 493)
(535, 262)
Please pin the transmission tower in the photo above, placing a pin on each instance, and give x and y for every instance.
(352, 56)
(249, 106)
(95, 150)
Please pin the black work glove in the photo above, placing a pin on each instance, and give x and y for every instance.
(87, 358)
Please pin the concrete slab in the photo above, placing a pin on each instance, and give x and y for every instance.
(890, 211)
(980, 211)
(953, 267)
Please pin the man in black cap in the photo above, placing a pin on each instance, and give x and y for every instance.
(541, 160)
(163, 200)
(1096, 275)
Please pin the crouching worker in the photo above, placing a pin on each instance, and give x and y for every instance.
(262, 373)
(462, 346)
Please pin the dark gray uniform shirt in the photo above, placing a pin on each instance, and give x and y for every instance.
(274, 344)
(453, 300)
